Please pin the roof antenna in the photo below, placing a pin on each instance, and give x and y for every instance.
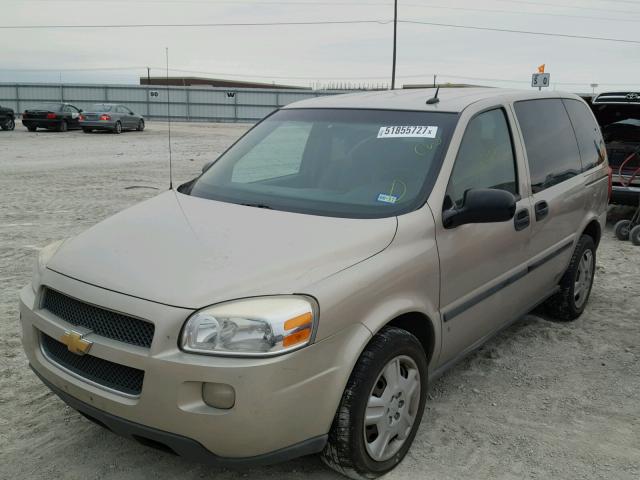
(169, 121)
(433, 100)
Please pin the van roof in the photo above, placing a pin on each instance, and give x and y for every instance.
(451, 99)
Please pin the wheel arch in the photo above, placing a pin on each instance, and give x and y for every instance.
(420, 326)
(594, 230)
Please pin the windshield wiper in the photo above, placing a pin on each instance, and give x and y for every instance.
(257, 205)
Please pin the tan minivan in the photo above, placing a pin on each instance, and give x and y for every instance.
(298, 296)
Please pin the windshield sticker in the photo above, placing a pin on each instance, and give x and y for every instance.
(386, 198)
(404, 131)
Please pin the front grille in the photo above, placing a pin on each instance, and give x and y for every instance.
(103, 322)
(103, 372)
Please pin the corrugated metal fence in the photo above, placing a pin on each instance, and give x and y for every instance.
(185, 103)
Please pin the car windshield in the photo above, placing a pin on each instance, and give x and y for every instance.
(101, 107)
(332, 162)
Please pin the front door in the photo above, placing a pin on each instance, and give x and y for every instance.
(482, 265)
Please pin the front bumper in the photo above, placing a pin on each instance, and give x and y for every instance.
(284, 405)
(183, 446)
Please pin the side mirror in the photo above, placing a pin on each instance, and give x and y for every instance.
(206, 166)
(481, 205)
(80, 110)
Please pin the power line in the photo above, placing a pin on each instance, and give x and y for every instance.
(555, 5)
(512, 12)
(523, 32)
(380, 4)
(331, 22)
(194, 25)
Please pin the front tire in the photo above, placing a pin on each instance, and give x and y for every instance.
(140, 127)
(87, 130)
(575, 285)
(32, 129)
(381, 408)
(63, 127)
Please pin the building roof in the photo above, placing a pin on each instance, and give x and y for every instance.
(213, 82)
(451, 99)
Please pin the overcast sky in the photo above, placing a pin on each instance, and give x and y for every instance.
(304, 54)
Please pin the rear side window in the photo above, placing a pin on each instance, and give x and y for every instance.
(485, 158)
(587, 132)
(552, 149)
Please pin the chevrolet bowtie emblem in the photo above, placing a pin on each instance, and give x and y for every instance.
(75, 343)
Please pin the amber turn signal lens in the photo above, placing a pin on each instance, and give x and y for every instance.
(300, 321)
(296, 337)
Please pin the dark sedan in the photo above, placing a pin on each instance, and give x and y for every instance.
(52, 116)
(112, 117)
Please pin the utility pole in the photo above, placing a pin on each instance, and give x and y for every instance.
(395, 36)
(148, 76)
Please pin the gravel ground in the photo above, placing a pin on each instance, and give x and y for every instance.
(543, 400)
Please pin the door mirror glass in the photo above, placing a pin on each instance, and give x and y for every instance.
(481, 205)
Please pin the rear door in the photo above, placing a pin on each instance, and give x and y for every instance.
(557, 188)
(482, 265)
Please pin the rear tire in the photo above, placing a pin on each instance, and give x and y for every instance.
(381, 407)
(621, 229)
(634, 235)
(575, 286)
(87, 130)
(118, 128)
(140, 127)
(32, 129)
(63, 127)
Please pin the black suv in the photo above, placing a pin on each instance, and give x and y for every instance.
(7, 118)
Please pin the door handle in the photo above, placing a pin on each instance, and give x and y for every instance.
(521, 220)
(542, 210)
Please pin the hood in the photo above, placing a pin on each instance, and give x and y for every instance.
(192, 252)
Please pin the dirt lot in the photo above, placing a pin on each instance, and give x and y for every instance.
(543, 400)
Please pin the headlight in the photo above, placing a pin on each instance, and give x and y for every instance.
(252, 327)
(44, 255)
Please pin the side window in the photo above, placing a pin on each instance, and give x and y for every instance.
(588, 133)
(552, 149)
(485, 158)
(278, 155)
(67, 109)
(120, 109)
